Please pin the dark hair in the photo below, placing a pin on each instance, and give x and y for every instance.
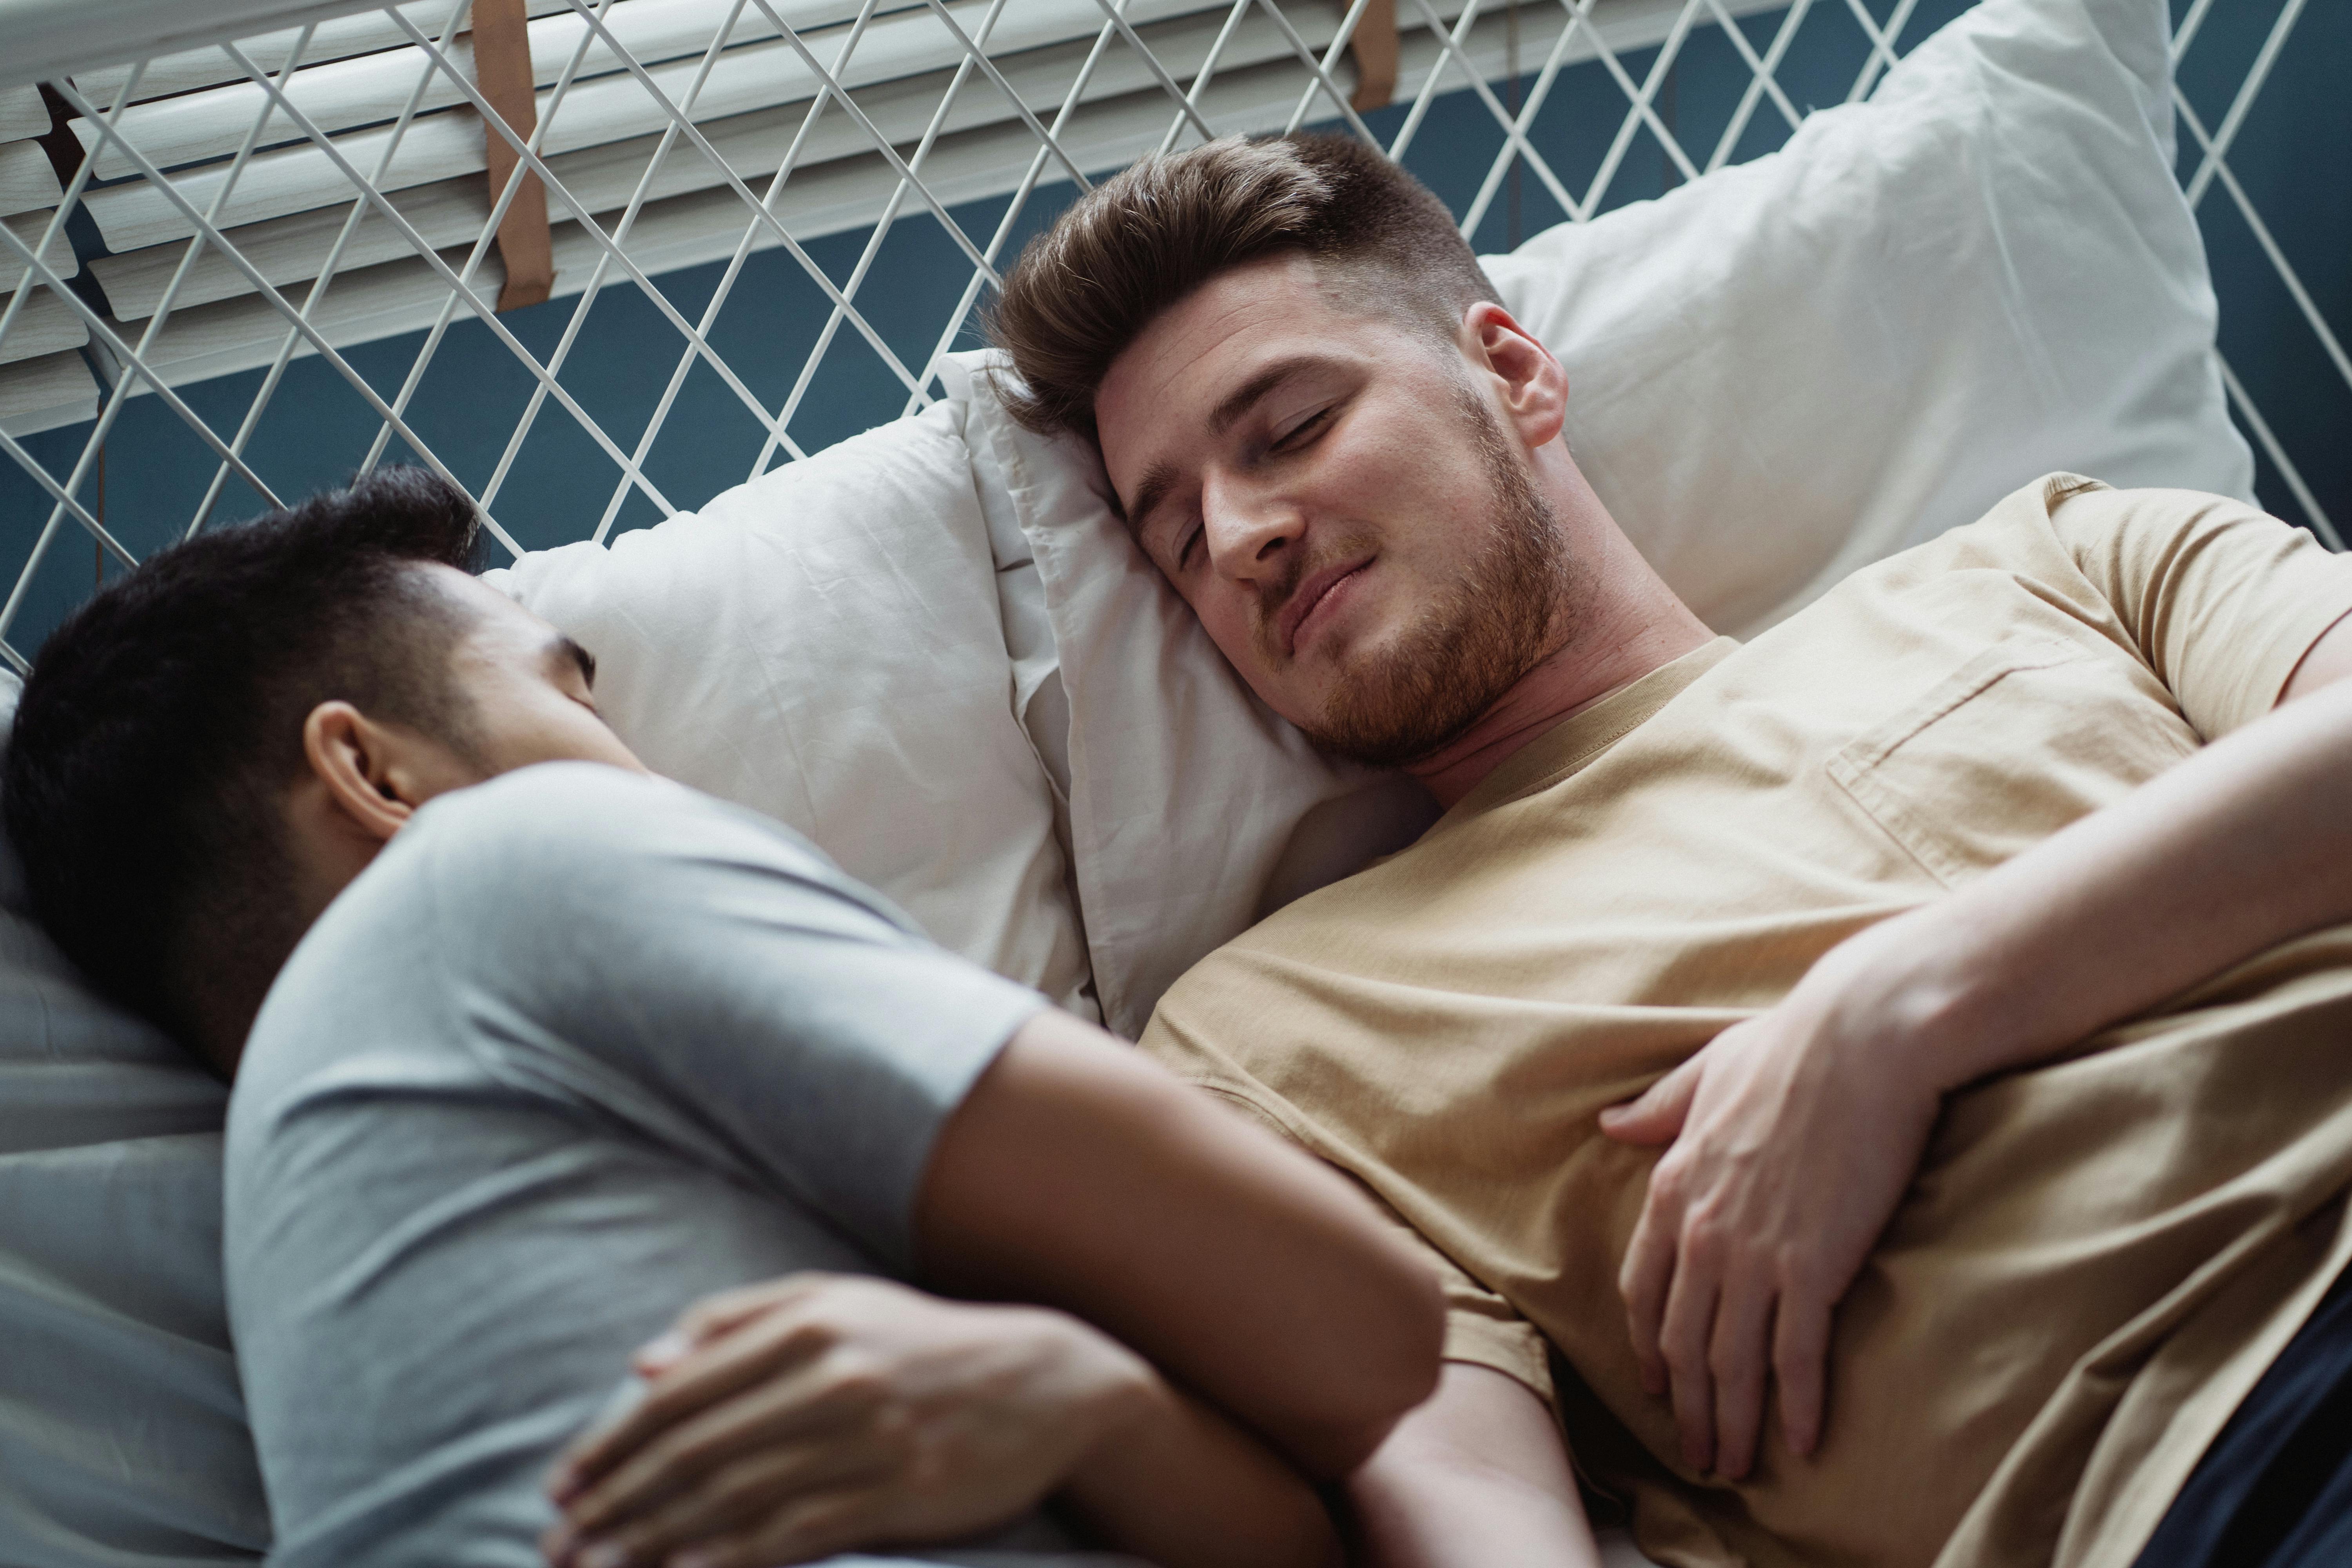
(162, 722)
(1152, 234)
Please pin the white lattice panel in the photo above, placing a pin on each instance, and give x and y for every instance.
(299, 191)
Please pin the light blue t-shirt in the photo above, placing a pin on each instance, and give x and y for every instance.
(579, 1048)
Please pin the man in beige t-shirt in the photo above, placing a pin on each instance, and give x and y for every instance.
(1673, 859)
(1973, 942)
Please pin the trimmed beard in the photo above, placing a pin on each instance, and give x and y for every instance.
(1477, 636)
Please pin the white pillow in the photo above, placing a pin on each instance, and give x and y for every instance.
(1802, 364)
(1777, 373)
(122, 1436)
(1183, 789)
(825, 645)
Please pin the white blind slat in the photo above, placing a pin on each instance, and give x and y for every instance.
(293, 202)
(705, 225)
(45, 325)
(611, 109)
(42, 393)
(22, 112)
(338, 37)
(28, 227)
(373, 88)
(27, 178)
(453, 211)
(839, 195)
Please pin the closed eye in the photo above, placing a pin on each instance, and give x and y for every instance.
(1298, 435)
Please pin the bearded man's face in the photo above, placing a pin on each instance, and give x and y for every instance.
(1332, 495)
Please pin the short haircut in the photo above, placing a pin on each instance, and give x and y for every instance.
(1151, 235)
(162, 723)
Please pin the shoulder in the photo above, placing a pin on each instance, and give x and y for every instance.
(2018, 532)
(2163, 556)
(571, 867)
(533, 808)
(2154, 519)
(586, 831)
(2088, 543)
(2090, 521)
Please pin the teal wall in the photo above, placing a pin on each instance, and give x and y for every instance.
(316, 430)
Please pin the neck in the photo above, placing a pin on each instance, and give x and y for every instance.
(220, 1016)
(1625, 621)
(224, 977)
(249, 939)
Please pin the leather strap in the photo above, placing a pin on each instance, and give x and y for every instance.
(502, 71)
(1374, 45)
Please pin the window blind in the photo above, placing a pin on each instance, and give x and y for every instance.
(400, 116)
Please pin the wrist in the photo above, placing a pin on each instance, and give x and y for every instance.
(1919, 997)
(1175, 1483)
(1108, 1390)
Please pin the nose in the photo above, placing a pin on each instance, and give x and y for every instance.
(1250, 531)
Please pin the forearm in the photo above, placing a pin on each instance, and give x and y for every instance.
(1178, 1485)
(2242, 846)
(1478, 1476)
(1796, 1132)
(1079, 1174)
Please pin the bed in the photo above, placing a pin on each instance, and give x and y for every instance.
(250, 251)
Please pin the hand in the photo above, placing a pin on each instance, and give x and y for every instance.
(1795, 1135)
(788, 1421)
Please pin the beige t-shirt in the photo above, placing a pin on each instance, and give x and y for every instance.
(2100, 1254)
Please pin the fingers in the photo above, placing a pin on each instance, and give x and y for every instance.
(762, 1350)
(1658, 1115)
(1738, 1356)
(720, 1314)
(1800, 1348)
(750, 1494)
(727, 1310)
(800, 1532)
(1642, 1281)
(1685, 1340)
(1725, 1337)
(812, 1405)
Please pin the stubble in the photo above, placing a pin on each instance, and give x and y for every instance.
(1476, 637)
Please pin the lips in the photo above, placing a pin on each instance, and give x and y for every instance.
(1307, 596)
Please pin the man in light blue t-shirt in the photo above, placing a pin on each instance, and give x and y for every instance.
(553, 1052)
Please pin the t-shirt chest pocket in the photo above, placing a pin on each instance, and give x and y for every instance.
(2021, 739)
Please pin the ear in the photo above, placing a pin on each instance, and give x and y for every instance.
(1534, 387)
(373, 777)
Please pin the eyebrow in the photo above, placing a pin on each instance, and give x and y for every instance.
(1239, 401)
(1158, 480)
(564, 648)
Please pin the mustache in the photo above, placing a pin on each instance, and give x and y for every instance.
(1272, 596)
(1297, 567)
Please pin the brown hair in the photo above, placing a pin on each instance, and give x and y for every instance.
(1164, 226)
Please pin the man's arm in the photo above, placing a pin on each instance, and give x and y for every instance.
(1795, 1134)
(1476, 1477)
(787, 1421)
(1078, 1175)
(2329, 661)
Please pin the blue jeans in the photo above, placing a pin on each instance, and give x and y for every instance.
(2275, 1488)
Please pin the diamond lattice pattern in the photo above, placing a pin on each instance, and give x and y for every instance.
(240, 271)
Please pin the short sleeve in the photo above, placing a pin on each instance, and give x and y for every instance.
(702, 974)
(1481, 1328)
(2223, 600)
